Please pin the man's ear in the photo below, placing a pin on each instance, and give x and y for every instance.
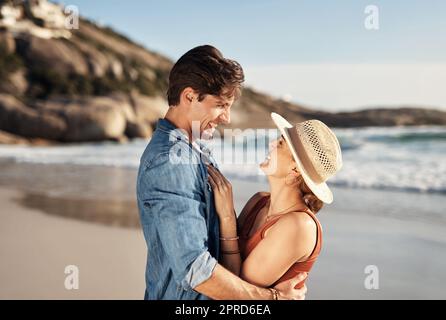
(188, 95)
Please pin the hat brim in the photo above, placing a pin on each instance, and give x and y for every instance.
(321, 190)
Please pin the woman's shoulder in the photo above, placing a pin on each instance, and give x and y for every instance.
(298, 222)
(298, 229)
(301, 220)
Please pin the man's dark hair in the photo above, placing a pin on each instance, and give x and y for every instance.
(205, 70)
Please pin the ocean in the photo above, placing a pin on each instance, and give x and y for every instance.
(408, 159)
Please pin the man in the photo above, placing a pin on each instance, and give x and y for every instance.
(175, 201)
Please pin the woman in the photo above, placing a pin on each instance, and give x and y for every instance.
(277, 234)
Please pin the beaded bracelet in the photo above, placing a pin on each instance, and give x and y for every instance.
(229, 239)
(275, 293)
(231, 252)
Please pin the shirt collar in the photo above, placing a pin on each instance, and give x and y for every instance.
(168, 127)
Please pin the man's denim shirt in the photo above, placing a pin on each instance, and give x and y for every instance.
(177, 213)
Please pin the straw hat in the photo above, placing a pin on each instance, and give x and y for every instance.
(316, 151)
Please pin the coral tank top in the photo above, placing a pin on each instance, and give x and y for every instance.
(248, 243)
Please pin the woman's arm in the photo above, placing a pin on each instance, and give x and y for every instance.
(230, 253)
(291, 239)
(227, 231)
(224, 204)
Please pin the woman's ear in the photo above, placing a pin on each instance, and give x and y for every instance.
(292, 177)
(293, 169)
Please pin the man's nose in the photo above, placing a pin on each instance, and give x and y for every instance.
(226, 117)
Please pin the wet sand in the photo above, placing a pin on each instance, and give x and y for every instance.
(54, 216)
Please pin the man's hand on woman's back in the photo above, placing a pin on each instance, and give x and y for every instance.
(286, 289)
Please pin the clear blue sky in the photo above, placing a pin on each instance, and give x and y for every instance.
(282, 31)
(317, 53)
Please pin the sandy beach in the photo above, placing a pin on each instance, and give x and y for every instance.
(35, 248)
(403, 234)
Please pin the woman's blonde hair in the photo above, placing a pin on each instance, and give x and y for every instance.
(309, 197)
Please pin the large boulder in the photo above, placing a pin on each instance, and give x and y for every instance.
(18, 82)
(115, 66)
(96, 60)
(95, 122)
(89, 119)
(135, 127)
(19, 119)
(148, 109)
(53, 54)
(138, 130)
(9, 138)
(140, 112)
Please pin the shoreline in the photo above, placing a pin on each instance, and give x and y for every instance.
(403, 234)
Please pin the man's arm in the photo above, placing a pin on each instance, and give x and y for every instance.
(173, 202)
(224, 285)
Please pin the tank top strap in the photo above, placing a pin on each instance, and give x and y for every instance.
(316, 220)
(318, 244)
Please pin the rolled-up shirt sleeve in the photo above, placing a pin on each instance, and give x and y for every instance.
(200, 270)
(174, 198)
